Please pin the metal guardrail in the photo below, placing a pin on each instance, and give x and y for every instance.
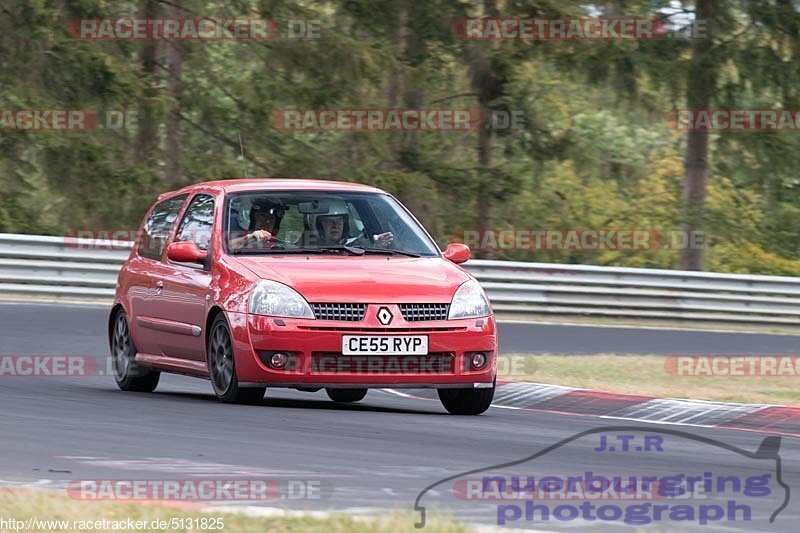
(67, 267)
(639, 292)
(59, 266)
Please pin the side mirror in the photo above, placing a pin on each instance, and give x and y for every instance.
(185, 252)
(457, 253)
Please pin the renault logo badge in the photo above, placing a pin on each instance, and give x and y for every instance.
(384, 316)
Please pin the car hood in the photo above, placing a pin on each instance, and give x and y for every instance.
(350, 279)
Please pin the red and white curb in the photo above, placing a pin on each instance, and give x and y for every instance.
(778, 419)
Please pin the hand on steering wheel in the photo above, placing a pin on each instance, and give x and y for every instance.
(261, 235)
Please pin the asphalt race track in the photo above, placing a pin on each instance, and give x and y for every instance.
(378, 454)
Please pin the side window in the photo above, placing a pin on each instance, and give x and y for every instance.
(197, 222)
(156, 228)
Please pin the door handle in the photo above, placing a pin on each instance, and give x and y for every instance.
(159, 286)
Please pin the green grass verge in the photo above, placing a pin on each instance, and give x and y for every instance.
(645, 375)
(43, 506)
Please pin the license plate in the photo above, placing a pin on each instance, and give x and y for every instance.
(385, 345)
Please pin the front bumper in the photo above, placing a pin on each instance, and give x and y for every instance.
(315, 348)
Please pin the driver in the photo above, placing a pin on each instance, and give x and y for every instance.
(265, 222)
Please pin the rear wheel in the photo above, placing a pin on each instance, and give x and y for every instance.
(346, 395)
(222, 368)
(127, 373)
(466, 401)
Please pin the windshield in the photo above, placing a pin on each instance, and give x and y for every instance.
(275, 222)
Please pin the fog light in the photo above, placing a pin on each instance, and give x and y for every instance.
(278, 360)
(478, 360)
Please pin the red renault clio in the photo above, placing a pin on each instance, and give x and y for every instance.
(304, 284)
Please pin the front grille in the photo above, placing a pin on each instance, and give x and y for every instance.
(348, 312)
(355, 312)
(336, 363)
(359, 329)
(423, 312)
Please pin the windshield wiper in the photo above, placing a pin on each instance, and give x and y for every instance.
(253, 251)
(388, 251)
(352, 250)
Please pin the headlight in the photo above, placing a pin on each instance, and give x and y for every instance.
(276, 299)
(469, 301)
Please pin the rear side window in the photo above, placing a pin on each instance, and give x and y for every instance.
(197, 222)
(157, 226)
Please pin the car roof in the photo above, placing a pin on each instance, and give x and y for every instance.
(277, 184)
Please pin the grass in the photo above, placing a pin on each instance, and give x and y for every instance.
(660, 323)
(645, 375)
(45, 505)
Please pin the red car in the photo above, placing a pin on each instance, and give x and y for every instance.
(304, 284)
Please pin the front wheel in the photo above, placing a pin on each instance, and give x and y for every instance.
(466, 401)
(346, 395)
(127, 373)
(222, 369)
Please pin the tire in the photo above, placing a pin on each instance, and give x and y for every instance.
(346, 395)
(127, 373)
(222, 367)
(466, 401)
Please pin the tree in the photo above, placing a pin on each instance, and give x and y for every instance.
(700, 88)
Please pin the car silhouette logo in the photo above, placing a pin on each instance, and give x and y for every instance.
(483, 493)
(384, 316)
